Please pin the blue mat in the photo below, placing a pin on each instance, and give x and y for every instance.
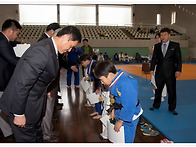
(180, 128)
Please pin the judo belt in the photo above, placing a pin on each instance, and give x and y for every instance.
(138, 102)
(140, 113)
(136, 116)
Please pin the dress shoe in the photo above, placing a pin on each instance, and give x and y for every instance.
(152, 108)
(174, 112)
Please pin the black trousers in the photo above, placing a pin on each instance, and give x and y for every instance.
(28, 134)
(171, 89)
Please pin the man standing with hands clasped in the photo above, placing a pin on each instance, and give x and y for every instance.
(8, 61)
(167, 57)
(23, 99)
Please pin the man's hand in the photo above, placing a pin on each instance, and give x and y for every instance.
(48, 95)
(177, 74)
(61, 71)
(20, 121)
(118, 125)
(74, 68)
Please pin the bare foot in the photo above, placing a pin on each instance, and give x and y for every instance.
(97, 117)
(94, 113)
(87, 105)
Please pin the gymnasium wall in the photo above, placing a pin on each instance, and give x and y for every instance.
(131, 46)
(8, 11)
(131, 51)
(146, 14)
(143, 14)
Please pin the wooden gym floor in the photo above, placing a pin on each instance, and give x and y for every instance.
(76, 126)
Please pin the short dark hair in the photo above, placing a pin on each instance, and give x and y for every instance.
(85, 40)
(76, 35)
(103, 68)
(165, 30)
(84, 57)
(157, 34)
(52, 26)
(11, 23)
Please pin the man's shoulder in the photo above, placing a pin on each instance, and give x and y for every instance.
(44, 36)
(157, 46)
(2, 37)
(41, 46)
(173, 42)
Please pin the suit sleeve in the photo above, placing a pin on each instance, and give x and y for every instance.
(31, 67)
(178, 58)
(154, 58)
(7, 53)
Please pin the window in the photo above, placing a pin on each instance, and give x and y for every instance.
(115, 15)
(173, 17)
(37, 14)
(83, 14)
(158, 19)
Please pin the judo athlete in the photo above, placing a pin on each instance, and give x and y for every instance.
(124, 89)
(89, 64)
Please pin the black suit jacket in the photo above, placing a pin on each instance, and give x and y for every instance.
(63, 62)
(44, 36)
(26, 91)
(8, 61)
(52, 88)
(168, 65)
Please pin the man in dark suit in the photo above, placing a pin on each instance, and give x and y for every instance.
(8, 61)
(49, 31)
(23, 99)
(167, 57)
(46, 124)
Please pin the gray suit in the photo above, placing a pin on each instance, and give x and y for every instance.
(53, 89)
(26, 91)
(4, 123)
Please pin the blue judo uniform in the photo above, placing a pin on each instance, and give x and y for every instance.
(124, 89)
(98, 106)
(73, 56)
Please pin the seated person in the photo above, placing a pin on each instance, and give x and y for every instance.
(121, 56)
(116, 58)
(126, 57)
(100, 57)
(106, 56)
(138, 57)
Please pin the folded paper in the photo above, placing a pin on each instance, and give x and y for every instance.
(85, 84)
(93, 98)
(20, 49)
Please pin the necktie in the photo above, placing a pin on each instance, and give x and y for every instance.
(164, 49)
